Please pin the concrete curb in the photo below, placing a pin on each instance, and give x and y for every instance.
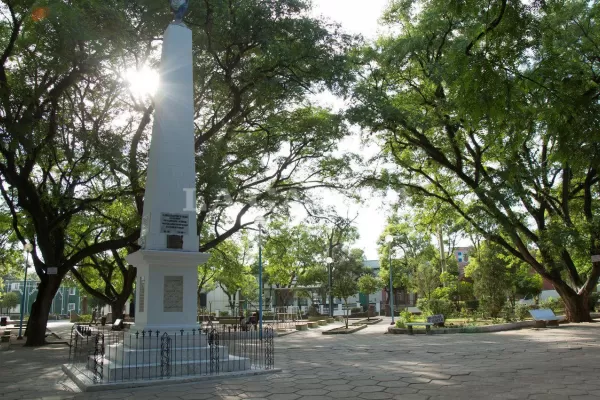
(345, 332)
(87, 385)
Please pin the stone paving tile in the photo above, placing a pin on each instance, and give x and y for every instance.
(551, 364)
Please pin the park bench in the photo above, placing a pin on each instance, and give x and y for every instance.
(544, 317)
(301, 327)
(427, 327)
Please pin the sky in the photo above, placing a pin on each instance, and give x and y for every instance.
(357, 17)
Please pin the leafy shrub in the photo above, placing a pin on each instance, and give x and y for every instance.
(508, 313)
(85, 318)
(406, 316)
(472, 305)
(400, 323)
(224, 314)
(522, 311)
(552, 303)
(436, 306)
(313, 311)
(354, 310)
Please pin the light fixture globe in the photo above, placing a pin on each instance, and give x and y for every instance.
(28, 247)
(329, 260)
(389, 239)
(260, 220)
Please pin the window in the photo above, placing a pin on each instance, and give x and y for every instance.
(460, 259)
(459, 253)
(14, 286)
(71, 307)
(72, 291)
(465, 257)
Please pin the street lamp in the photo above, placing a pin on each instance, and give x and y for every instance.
(389, 239)
(260, 220)
(329, 262)
(28, 247)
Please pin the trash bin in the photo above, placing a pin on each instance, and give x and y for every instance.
(103, 321)
(3, 321)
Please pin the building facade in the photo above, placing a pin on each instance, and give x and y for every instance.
(67, 298)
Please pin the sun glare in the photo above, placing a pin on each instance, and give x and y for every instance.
(143, 81)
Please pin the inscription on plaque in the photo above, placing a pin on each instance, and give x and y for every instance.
(173, 294)
(174, 224)
(142, 290)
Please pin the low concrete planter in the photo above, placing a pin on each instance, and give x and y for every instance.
(302, 327)
(343, 331)
(330, 320)
(469, 329)
(322, 322)
(371, 321)
(313, 324)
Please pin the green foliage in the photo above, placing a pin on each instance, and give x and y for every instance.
(223, 313)
(85, 318)
(490, 119)
(368, 284)
(345, 286)
(9, 300)
(491, 278)
(522, 311)
(436, 306)
(355, 310)
(426, 280)
(552, 303)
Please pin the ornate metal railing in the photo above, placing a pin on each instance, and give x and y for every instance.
(114, 356)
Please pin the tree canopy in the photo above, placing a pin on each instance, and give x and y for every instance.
(488, 108)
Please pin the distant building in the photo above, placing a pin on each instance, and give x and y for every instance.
(67, 298)
(462, 255)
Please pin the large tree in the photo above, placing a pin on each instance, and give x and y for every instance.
(486, 106)
(61, 152)
(74, 140)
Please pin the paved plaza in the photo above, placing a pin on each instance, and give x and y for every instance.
(561, 363)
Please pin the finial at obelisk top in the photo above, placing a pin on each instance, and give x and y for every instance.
(179, 8)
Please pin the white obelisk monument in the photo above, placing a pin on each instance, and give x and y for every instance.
(167, 264)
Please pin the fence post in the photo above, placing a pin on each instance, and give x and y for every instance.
(165, 356)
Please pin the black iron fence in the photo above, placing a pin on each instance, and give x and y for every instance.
(105, 356)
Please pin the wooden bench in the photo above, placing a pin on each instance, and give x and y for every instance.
(544, 317)
(301, 327)
(426, 324)
(313, 324)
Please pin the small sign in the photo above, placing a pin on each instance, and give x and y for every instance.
(436, 319)
(596, 258)
(52, 271)
(174, 224)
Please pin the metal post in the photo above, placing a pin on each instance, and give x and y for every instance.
(260, 287)
(391, 286)
(330, 294)
(20, 337)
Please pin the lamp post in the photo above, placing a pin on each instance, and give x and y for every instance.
(260, 221)
(389, 239)
(28, 247)
(329, 261)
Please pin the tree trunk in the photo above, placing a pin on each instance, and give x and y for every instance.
(38, 319)
(117, 308)
(577, 307)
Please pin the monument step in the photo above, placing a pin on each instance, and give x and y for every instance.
(119, 354)
(113, 372)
